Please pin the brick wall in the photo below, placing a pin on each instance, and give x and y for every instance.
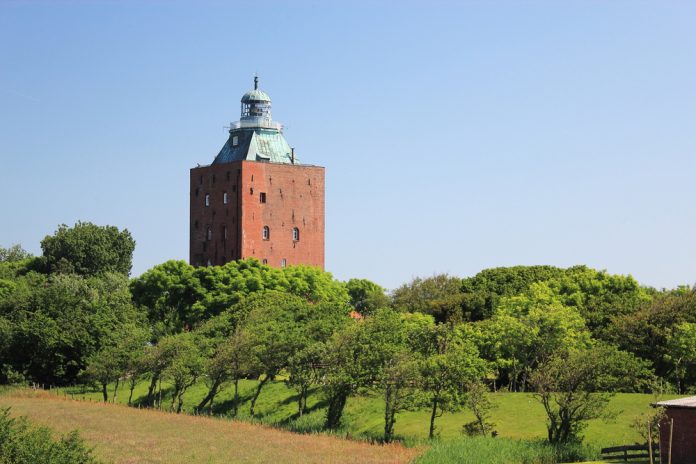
(294, 198)
(683, 436)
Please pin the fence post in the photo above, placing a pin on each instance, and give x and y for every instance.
(669, 451)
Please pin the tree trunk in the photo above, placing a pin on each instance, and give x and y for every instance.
(433, 415)
(151, 390)
(132, 387)
(336, 404)
(235, 403)
(257, 393)
(211, 394)
(113, 400)
(175, 394)
(105, 393)
(389, 413)
(302, 400)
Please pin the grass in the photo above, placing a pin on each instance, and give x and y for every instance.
(488, 450)
(133, 436)
(517, 416)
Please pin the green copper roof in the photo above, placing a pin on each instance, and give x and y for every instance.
(255, 95)
(256, 145)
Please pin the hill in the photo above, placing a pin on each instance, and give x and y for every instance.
(128, 435)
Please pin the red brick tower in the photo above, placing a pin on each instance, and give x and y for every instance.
(256, 199)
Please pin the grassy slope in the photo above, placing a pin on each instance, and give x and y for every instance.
(518, 415)
(127, 435)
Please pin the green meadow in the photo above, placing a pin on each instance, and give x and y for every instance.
(516, 416)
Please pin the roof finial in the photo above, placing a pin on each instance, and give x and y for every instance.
(256, 81)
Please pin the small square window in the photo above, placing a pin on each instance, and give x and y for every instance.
(262, 197)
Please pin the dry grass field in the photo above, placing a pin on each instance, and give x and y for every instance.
(128, 436)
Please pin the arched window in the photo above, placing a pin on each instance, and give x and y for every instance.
(207, 199)
(295, 234)
(209, 234)
(266, 233)
(224, 198)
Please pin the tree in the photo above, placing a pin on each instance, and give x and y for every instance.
(274, 332)
(647, 332)
(439, 296)
(13, 254)
(87, 249)
(176, 358)
(573, 387)
(118, 353)
(480, 405)
(527, 329)
(450, 361)
(681, 352)
(366, 297)
(60, 321)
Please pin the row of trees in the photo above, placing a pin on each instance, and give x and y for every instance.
(570, 335)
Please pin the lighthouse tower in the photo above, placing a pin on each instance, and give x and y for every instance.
(256, 199)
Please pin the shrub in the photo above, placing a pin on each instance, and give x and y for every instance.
(20, 443)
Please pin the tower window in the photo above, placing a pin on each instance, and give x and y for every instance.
(295, 234)
(224, 232)
(262, 197)
(266, 233)
(207, 199)
(209, 263)
(200, 180)
(265, 261)
(209, 234)
(283, 262)
(195, 224)
(235, 141)
(228, 175)
(224, 198)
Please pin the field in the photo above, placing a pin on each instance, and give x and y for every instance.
(518, 415)
(127, 435)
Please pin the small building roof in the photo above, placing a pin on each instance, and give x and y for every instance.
(689, 402)
(256, 145)
(255, 95)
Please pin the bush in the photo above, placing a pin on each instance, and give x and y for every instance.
(20, 443)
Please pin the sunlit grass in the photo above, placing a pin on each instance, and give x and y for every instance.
(127, 435)
(517, 416)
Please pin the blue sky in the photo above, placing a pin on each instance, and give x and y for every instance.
(456, 136)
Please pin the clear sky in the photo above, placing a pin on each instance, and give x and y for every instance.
(456, 136)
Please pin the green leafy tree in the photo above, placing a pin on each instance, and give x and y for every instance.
(527, 329)
(272, 325)
(439, 296)
(87, 249)
(647, 331)
(169, 292)
(480, 405)
(60, 321)
(185, 366)
(573, 386)
(366, 297)
(449, 362)
(681, 352)
(118, 353)
(13, 254)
